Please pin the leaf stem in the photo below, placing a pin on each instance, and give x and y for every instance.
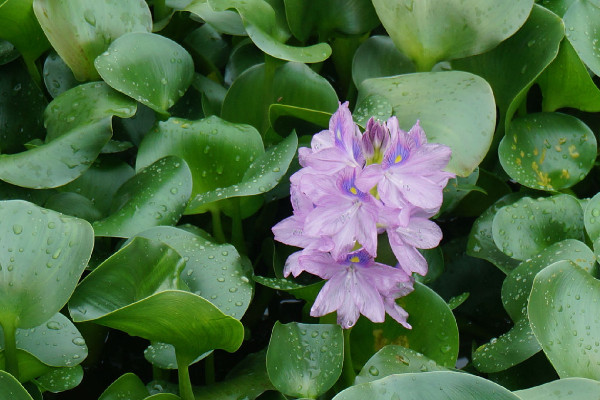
(348, 374)
(209, 369)
(217, 226)
(33, 71)
(185, 385)
(10, 349)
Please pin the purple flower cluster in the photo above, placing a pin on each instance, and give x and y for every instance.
(352, 187)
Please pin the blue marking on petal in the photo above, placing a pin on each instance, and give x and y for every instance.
(360, 257)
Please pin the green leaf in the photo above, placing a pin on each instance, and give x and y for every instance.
(150, 68)
(437, 385)
(243, 56)
(591, 218)
(420, 28)
(304, 292)
(434, 332)
(455, 108)
(39, 246)
(156, 195)
(20, 27)
(348, 17)
(227, 21)
(144, 283)
(558, 7)
(58, 77)
(21, 107)
(163, 355)
(248, 379)
(374, 105)
(517, 285)
(61, 379)
(284, 118)
(579, 91)
(513, 66)
(481, 242)
(293, 84)
(394, 359)
(214, 271)
(11, 389)
(259, 19)
(377, 57)
(260, 177)
(80, 31)
(581, 18)
(547, 151)
(563, 389)
(456, 189)
(126, 385)
(528, 226)
(295, 374)
(563, 310)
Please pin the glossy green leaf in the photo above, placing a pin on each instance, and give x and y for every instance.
(547, 151)
(591, 218)
(493, 187)
(163, 355)
(563, 389)
(394, 359)
(20, 27)
(304, 292)
(558, 7)
(455, 108)
(214, 271)
(243, 56)
(39, 246)
(259, 19)
(457, 188)
(21, 106)
(378, 57)
(156, 195)
(376, 106)
(579, 91)
(247, 379)
(481, 242)
(284, 119)
(80, 30)
(437, 385)
(126, 385)
(326, 17)
(145, 283)
(582, 21)
(526, 227)
(295, 374)
(260, 177)
(293, 84)
(101, 181)
(58, 77)
(61, 379)
(420, 28)
(11, 389)
(163, 396)
(29, 366)
(150, 68)
(434, 332)
(563, 310)
(226, 150)
(513, 66)
(75, 205)
(8, 52)
(227, 21)
(517, 285)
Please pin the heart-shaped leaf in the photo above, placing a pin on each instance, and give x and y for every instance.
(61, 379)
(455, 108)
(21, 107)
(80, 31)
(579, 91)
(437, 385)
(39, 246)
(157, 195)
(143, 278)
(294, 374)
(581, 18)
(420, 28)
(394, 359)
(11, 389)
(563, 311)
(260, 177)
(547, 151)
(260, 22)
(591, 218)
(563, 389)
(150, 68)
(526, 227)
(58, 77)
(434, 332)
(126, 385)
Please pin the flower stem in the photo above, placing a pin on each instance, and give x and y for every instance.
(10, 349)
(217, 226)
(183, 373)
(348, 374)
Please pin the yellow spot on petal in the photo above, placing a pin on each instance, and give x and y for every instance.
(355, 259)
(398, 159)
(353, 190)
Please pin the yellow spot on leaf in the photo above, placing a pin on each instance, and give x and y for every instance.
(565, 174)
(573, 151)
(522, 153)
(543, 156)
(543, 179)
(562, 141)
(557, 148)
(535, 152)
(518, 160)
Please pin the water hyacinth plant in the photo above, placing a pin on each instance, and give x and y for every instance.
(273, 199)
